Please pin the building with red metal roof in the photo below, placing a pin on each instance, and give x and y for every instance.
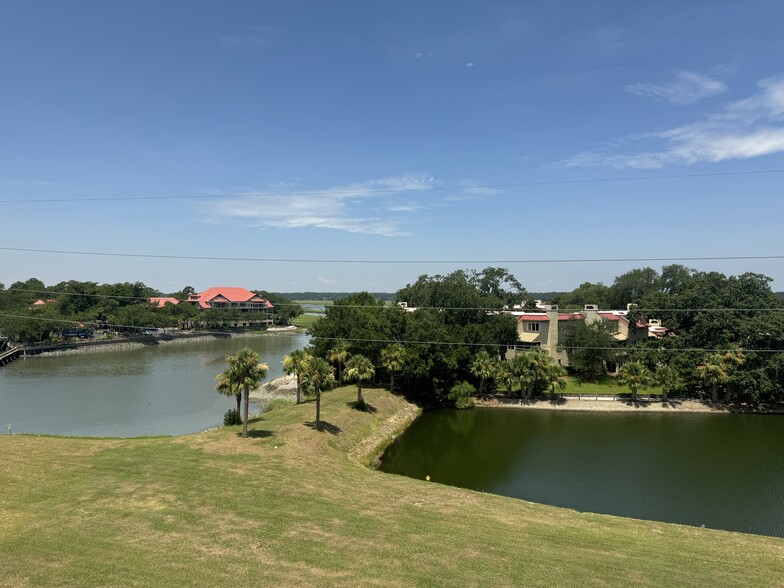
(161, 301)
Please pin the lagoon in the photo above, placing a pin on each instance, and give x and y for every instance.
(723, 471)
(165, 389)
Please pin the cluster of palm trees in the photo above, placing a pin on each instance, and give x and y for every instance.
(532, 371)
(244, 372)
(714, 371)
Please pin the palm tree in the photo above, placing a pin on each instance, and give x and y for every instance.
(245, 372)
(505, 376)
(359, 368)
(227, 387)
(530, 368)
(634, 375)
(319, 375)
(338, 355)
(293, 364)
(392, 360)
(483, 367)
(714, 371)
(668, 378)
(733, 358)
(555, 376)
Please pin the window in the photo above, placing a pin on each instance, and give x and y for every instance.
(533, 327)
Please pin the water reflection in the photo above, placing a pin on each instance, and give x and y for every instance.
(165, 389)
(721, 471)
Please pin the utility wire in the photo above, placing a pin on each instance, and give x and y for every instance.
(421, 342)
(392, 306)
(394, 190)
(399, 261)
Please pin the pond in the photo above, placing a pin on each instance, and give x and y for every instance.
(723, 471)
(164, 389)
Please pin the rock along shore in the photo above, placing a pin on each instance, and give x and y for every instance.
(609, 405)
(122, 345)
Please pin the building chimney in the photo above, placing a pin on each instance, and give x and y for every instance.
(591, 313)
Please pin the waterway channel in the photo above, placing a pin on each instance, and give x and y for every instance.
(163, 389)
(721, 471)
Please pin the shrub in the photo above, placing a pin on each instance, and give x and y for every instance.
(232, 418)
(461, 395)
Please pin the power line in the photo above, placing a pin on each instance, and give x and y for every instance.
(399, 261)
(356, 192)
(393, 306)
(422, 342)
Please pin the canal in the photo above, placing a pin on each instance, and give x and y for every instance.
(163, 389)
(720, 471)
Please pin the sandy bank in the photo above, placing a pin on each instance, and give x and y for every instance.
(282, 387)
(575, 404)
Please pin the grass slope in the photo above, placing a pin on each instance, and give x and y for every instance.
(212, 509)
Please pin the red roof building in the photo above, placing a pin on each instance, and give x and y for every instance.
(161, 301)
(234, 298)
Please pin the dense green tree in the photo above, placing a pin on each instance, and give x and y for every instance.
(632, 287)
(285, 309)
(461, 395)
(365, 322)
(585, 293)
(358, 369)
(589, 347)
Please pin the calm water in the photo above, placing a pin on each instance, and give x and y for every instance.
(157, 390)
(721, 471)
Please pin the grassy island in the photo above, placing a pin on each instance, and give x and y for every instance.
(293, 506)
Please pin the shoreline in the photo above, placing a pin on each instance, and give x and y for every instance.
(120, 345)
(610, 405)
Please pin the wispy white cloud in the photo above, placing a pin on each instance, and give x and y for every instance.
(469, 190)
(687, 88)
(747, 128)
(343, 208)
(327, 281)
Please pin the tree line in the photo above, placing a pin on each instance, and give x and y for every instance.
(123, 306)
(725, 338)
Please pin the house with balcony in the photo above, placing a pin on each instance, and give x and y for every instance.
(545, 329)
(231, 298)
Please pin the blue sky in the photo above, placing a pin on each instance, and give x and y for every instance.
(369, 130)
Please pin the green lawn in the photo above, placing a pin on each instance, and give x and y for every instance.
(603, 386)
(321, 302)
(305, 321)
(292, 506)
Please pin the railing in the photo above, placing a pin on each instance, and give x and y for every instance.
(9, 355)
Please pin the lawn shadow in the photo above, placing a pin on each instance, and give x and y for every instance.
(363, 406)
(256, 433)
(324, 426)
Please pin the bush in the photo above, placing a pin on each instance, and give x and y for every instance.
(232, 418)
(461, 395)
